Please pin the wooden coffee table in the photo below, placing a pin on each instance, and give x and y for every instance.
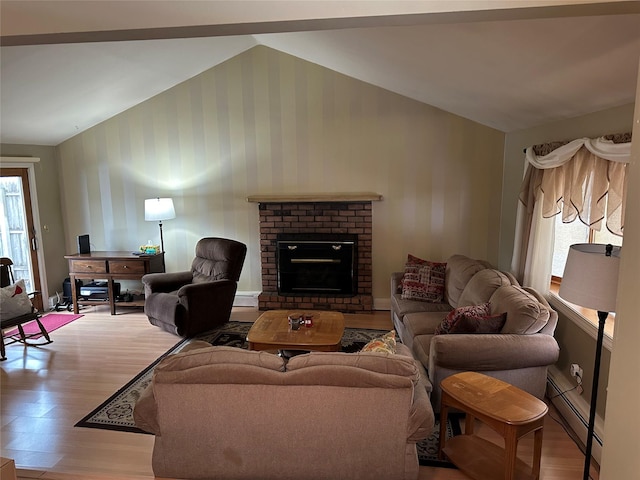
(271, 331)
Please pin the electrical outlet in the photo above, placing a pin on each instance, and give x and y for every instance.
(576, 371)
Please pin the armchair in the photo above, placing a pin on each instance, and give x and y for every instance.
(194, 301)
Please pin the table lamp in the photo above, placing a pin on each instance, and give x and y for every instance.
(159, 209)
(590, 280)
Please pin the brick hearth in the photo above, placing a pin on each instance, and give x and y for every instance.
(315, 217)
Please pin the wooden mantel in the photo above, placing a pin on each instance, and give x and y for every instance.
(315, 197)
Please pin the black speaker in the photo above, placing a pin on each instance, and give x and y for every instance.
(83, 244)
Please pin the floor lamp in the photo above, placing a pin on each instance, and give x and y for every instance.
(590, 280)
(157, 210)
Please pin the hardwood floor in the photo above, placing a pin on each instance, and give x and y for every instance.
(45, 391)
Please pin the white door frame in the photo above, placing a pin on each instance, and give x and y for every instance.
(29, 164)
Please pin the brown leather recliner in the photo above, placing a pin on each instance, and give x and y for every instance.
(192, 302)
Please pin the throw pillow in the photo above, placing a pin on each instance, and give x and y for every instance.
(423, 280)
(412, 259)
(479, 324)
(454, 316)
(14, 301)
(383, 344)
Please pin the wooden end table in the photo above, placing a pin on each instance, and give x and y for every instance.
(271, 331)
(509, 411)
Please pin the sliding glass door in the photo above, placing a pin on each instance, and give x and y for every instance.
(18, 239)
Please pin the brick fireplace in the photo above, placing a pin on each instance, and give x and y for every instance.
(316, 214)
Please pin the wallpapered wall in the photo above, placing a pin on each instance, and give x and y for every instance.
(267, 122)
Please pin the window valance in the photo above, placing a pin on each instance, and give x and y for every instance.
(583, 179)
(601, 147)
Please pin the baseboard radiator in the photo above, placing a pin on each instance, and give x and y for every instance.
(574, 408)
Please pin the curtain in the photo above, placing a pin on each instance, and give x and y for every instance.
(581, 180)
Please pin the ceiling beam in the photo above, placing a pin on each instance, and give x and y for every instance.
(510, 10)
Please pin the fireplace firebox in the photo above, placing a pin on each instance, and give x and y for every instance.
(317, 264)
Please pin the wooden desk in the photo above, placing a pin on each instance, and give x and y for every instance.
(111, 266)
(509, 411)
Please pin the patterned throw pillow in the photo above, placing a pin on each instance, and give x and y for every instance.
(482, 324)
(14, 301)
(423, 280)
(454, 316)
(383, 344)
(416, 260)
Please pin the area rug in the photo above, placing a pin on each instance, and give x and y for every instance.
(116, 413)
(51, 322)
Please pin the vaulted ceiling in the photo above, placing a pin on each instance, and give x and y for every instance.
(66, 66)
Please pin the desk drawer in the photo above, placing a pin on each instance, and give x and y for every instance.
(126, 266)
(88, 266)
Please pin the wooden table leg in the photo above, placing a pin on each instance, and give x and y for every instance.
(469, 424)
(537, 453)
(112, 300)
(510, 452)
(74, 294)
(443, 427)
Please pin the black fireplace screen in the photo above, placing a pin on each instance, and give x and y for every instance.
(317, 263)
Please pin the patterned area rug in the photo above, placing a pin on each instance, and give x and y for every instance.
(116, 413)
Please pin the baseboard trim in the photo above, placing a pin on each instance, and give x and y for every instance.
(575, 410)
(250, 299)
(382, 304)
(246, 299)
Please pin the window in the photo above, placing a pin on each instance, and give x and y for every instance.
(575, 177)
(566, 234)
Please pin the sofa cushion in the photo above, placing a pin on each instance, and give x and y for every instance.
(424, 323)
(384, 344)
(401, 365)
(459, 271)
(525, 314)
(423, 280)
(198, 356)
(455, 315)
(403, 307)
(481, 286)
(479, 324)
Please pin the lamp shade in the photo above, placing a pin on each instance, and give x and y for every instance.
(590, 277)
(158, 209)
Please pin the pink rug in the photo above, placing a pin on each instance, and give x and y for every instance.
(51, 321)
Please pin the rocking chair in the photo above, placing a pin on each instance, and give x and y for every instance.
(8, 321)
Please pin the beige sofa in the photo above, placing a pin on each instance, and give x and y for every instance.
(519, 354)
(228, 413)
